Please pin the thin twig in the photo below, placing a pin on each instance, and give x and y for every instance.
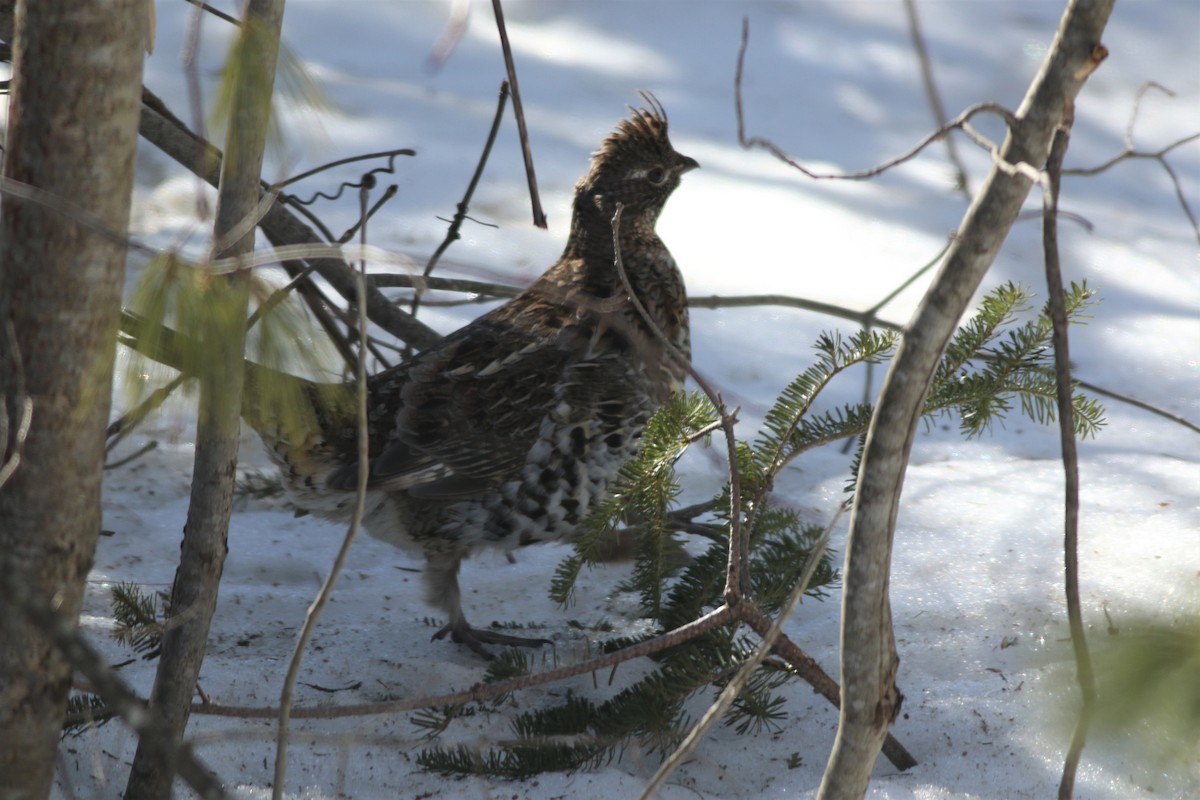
(1142, 404)
(141, 451)
(68, 210)
(392, 280)
(539, 217)
(870, 313)
(935, 99)
(958, 123)
(483, 691)
(387, 195)
(314, 611)
(390, 169)
(788, 301)
(734, 687)
(738, 546)
(1130, 152)
(1070, 455)
(464, 205)
(121, 427)
(216, 12)
(367, 183)
(1160, 155)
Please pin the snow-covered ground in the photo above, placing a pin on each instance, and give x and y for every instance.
(976, 587)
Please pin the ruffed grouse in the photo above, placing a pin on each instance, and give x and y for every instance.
(508, 430)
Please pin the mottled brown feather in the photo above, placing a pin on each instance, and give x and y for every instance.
(507, 430)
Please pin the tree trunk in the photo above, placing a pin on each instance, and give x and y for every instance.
(72, 134)
(870, 700)
(205, 535)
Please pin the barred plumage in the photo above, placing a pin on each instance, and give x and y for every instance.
(509, 429)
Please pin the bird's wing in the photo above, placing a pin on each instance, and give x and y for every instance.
(471, 409)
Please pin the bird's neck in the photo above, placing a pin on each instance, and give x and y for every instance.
(590, 250)
(590, 241)
(589, 263)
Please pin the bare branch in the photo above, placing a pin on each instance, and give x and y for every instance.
(481, 691)
(1142, 404)
(1070, 454)
(464, 205)
(962, 180)
(958, 123)
(360, 501)
(166, 132)
(734, 687)
(869, 660)
(539, 216)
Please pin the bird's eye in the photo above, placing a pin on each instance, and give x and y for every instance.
(657, 176)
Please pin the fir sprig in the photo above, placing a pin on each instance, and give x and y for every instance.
(85, 711)
(137, 619)
(434, 721)
(783, 428)
(991, 366)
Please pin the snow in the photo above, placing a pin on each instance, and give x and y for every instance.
(976, 585)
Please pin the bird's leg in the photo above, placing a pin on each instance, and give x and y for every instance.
(441, 581)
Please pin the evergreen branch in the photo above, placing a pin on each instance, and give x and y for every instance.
(830, 426)
(562, 584)
(794, 402)
(996, 310)
(137, 620)
(751, 663)
(515, 762)
(436, 720)
(85, 711)
(756, 708)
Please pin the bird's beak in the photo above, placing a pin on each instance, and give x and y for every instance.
(687, 164)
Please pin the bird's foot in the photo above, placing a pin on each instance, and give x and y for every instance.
(476, 638)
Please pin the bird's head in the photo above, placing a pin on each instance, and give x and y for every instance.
(635, 166)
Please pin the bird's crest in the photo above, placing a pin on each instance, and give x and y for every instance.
(645, 130)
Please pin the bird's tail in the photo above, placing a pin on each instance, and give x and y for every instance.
(289, 413)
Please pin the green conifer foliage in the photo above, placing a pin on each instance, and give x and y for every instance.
(991, 366)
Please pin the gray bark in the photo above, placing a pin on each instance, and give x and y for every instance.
(72, 134)
(205, 534)
(870, 699)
